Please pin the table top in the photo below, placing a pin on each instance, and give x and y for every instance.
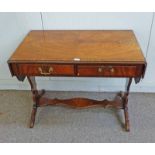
(80, 46)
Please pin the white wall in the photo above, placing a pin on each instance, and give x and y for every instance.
(149, 80)
(14, 26)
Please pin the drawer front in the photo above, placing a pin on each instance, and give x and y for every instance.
(45, 69)
(109, 71)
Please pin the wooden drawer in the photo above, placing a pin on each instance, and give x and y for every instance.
(44, 69)
(109, 70)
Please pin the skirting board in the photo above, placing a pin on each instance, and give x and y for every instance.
(75, 85)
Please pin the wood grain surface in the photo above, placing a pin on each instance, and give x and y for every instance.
(80, 46)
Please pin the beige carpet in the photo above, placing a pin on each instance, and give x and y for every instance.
(59, 124)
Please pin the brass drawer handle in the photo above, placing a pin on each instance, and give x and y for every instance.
(111, 69)
(100, 69)
(45, 73)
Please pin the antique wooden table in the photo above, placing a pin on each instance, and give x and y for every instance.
(79, 53)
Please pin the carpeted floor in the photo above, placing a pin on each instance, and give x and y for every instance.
(60, 124)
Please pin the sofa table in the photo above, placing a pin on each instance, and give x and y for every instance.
(79, 53)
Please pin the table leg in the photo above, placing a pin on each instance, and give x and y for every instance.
(121, 101)
(35, 99)
(125, 104)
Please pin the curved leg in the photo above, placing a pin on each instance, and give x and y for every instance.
(125, 105)
(126, 114)
(35, 99)
(33, 114)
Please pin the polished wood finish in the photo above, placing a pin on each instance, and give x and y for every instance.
(82, 102)
(79, 53)
(44, 69)
(110, 70)
(35, 99)
(125, 102)
(87, 45)
(85, 70)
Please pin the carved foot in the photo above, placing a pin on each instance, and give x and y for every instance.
(127, 125)
(127, 128)
(33, 114)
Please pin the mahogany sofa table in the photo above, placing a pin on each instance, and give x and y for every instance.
(79, 53)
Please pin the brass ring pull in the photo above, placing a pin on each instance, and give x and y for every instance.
(45, 73)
